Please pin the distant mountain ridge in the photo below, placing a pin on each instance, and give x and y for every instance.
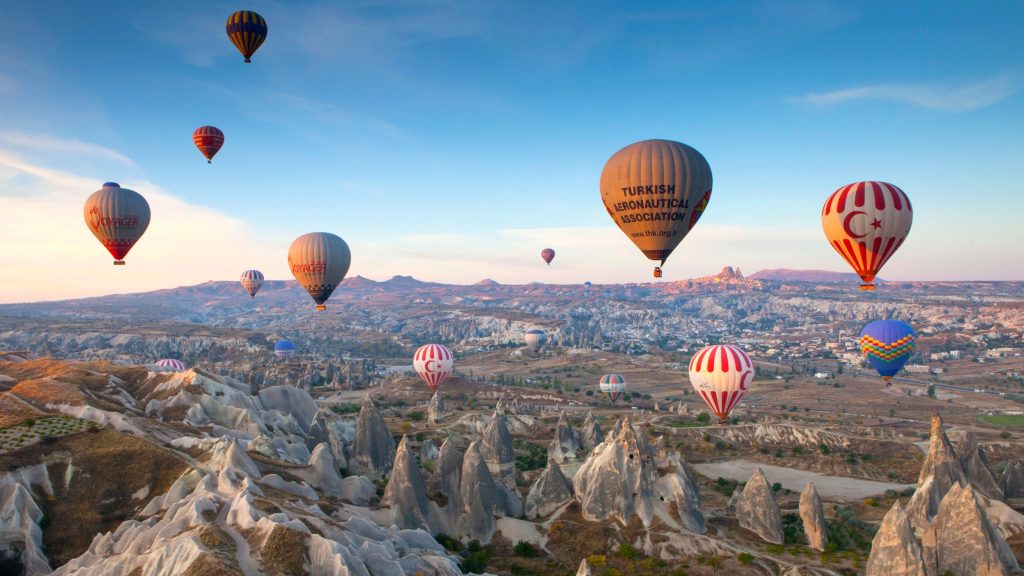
(825, 276)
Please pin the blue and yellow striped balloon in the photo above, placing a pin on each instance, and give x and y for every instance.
(888, 344)
(247, 31)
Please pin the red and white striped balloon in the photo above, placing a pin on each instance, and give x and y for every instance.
(252, 281)
(721, 374)
(173, 364)
(433, 362)
(867, 222)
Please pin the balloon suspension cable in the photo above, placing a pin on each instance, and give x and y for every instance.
(867, 286)
(321, 307)
(118, 262)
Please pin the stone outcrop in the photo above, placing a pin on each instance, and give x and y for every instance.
(684, 409)
(590, 433)
(496, 447)
(484, 499)
(323, 473)
(757, 510)
(813, 516)
(21, 538)
(975, 464)
(358, 490)
(564, 445)
(549, 492)
(584, 569)
(894, 549)
(939, 472)
(429, 451)
(406, 493)
(962, 540)
(373, 450)
(1012, 480)
(617, 479)
(679, 487)
(436, 409)
(444, 485)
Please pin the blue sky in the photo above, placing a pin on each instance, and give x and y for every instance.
(454, 140)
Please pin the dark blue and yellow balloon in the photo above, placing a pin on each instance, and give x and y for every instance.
(247, 31)
(887, 345)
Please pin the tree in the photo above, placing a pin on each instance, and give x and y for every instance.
(704, 418)
(931, 390)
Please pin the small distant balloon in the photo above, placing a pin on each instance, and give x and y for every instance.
(887, 345)
(172, 363)
(547, 255)
(252, 281)
(208, 139)
(434, 363)
(117, 217)
(284, 349)
(247, 31)
(319, 261)
(721, 374)
(866, 223)
(614, 385)
(535, 339)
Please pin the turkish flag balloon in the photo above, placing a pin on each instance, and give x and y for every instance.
(656, 190)
(117, 217)
(866, 222)
(433, 362)
(721, 374)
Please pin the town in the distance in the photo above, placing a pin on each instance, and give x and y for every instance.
(272, 438)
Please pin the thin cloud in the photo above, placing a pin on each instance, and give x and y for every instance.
(51, 144)
(930, 96)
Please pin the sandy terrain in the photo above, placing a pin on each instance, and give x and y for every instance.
(831, 487)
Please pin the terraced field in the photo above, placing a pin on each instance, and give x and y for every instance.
(33, 430)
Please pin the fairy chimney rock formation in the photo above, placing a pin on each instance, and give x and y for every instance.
(564, 445)
(590, 433)
(496, 447)
(975, 464)
(373, 450)
(436, 409)
(757, 510)
(813, 516)
(549, 492)
(894, 549)
(406, 493)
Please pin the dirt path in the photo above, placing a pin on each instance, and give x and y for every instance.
(831, 487)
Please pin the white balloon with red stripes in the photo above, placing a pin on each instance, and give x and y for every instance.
(721, 374)
(433, 362)
(172, 363)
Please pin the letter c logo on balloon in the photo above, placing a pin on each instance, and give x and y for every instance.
(848, 222)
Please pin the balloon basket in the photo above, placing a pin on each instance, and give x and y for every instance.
(867, 287)
(657, 272)
(118, 262)
(320, 307)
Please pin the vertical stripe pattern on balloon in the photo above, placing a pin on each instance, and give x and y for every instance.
(434, 364)
(721, 375)
(866, 223)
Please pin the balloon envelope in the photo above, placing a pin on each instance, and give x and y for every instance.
(866, 222)
(433, 362)
(547, 255)
(173, 364)
(252, 281)
(117, 217)
(319, 261)
(887, 345)
(721, 374)
(208, 139)
(535, 339)
(284, 349)
(656, 190)
(247, 31)
(613, 385)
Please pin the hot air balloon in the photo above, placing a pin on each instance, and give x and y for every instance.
(721, 374)
(433, 362)
(176, 365)
(319, 261)
(547, 255)
(247, 31)
(284, 349)
(252, 281)
(866, 222)
(535, 339)
(117, 217)
(656, 190)
(208, 139)
(888, 344)
(613, 385)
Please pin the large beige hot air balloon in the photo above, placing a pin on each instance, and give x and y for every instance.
(319, 261)
(656, 190)
(117, 217)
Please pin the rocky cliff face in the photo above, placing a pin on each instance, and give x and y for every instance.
(940, 471)
(565, 443)
(21, 538)
(406, 493)
(590, 433)
(484, 497)
(962, 540)
(496, 447)
(975, 464)
(895, 550)
(813, 516)
(1012, 480)
(757, 510)
(549, 492)
(617, 479)
(323, 472)
(680, 488)
(373, 449)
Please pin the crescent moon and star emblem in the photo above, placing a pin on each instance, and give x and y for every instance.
(849, 220)
(430, 366)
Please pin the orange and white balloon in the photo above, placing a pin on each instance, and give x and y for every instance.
(319, 261)
(867, 222)
(117, 217)
(721, 374)
(433, 362)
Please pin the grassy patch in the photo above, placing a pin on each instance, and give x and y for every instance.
(1003, 420)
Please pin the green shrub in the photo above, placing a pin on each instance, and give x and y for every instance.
(450, 544)
(525, 549)
(824, 449)
(704, 418)
(745, 558)
(628, 551)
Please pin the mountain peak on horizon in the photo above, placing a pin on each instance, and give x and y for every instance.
(487, 282)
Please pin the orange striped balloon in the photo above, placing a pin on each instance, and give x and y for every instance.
(247, 31)
(117, 217)
(721, 374)
(208, 139)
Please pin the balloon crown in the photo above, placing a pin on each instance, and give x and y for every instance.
(111, 185)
